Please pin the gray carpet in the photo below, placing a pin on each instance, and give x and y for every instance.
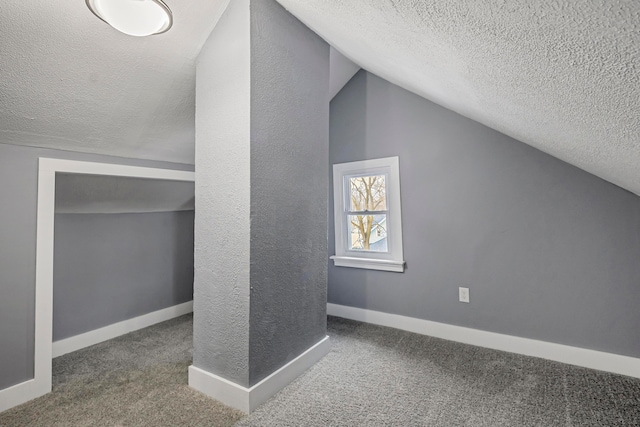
(139, 379)
(373, 376)
(377, 376)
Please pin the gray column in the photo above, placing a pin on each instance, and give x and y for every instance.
(262, 138)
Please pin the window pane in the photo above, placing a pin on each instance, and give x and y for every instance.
(367, 232)
(368, 193)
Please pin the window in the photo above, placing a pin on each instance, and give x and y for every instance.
(367, 215)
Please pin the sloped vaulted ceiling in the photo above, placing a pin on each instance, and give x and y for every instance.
(69, 81)
(560, 75)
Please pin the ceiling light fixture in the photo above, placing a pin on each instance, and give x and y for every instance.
(133, 17)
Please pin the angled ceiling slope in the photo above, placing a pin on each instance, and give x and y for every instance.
(69, 81)
(560, 75)
(90, 194)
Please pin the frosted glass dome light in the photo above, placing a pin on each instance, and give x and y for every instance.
(133, 17)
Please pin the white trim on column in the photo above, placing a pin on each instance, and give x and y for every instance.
(47, 169)
(586, 358)
(106, 333)
(248, 399)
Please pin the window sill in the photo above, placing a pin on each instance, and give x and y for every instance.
(368, 263)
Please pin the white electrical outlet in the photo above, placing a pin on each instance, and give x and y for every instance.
(463, 294)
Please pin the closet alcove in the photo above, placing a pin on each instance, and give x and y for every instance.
(123, 248)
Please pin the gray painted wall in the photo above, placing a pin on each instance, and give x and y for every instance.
(262, 119)
(289, 188)
(548, 251)
(113, 267)
(18, 198)
(222, 245)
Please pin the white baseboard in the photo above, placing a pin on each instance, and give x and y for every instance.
(248, 399)
(20, 393)
(97, 336)
(31, 389)
(592, 359)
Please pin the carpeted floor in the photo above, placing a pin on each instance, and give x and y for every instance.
(373, 376)
(139, 379)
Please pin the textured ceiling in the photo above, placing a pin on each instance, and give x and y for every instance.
(111, 194)
(560, 75)
(69, 81)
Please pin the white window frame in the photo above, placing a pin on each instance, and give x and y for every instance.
(393, 259)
